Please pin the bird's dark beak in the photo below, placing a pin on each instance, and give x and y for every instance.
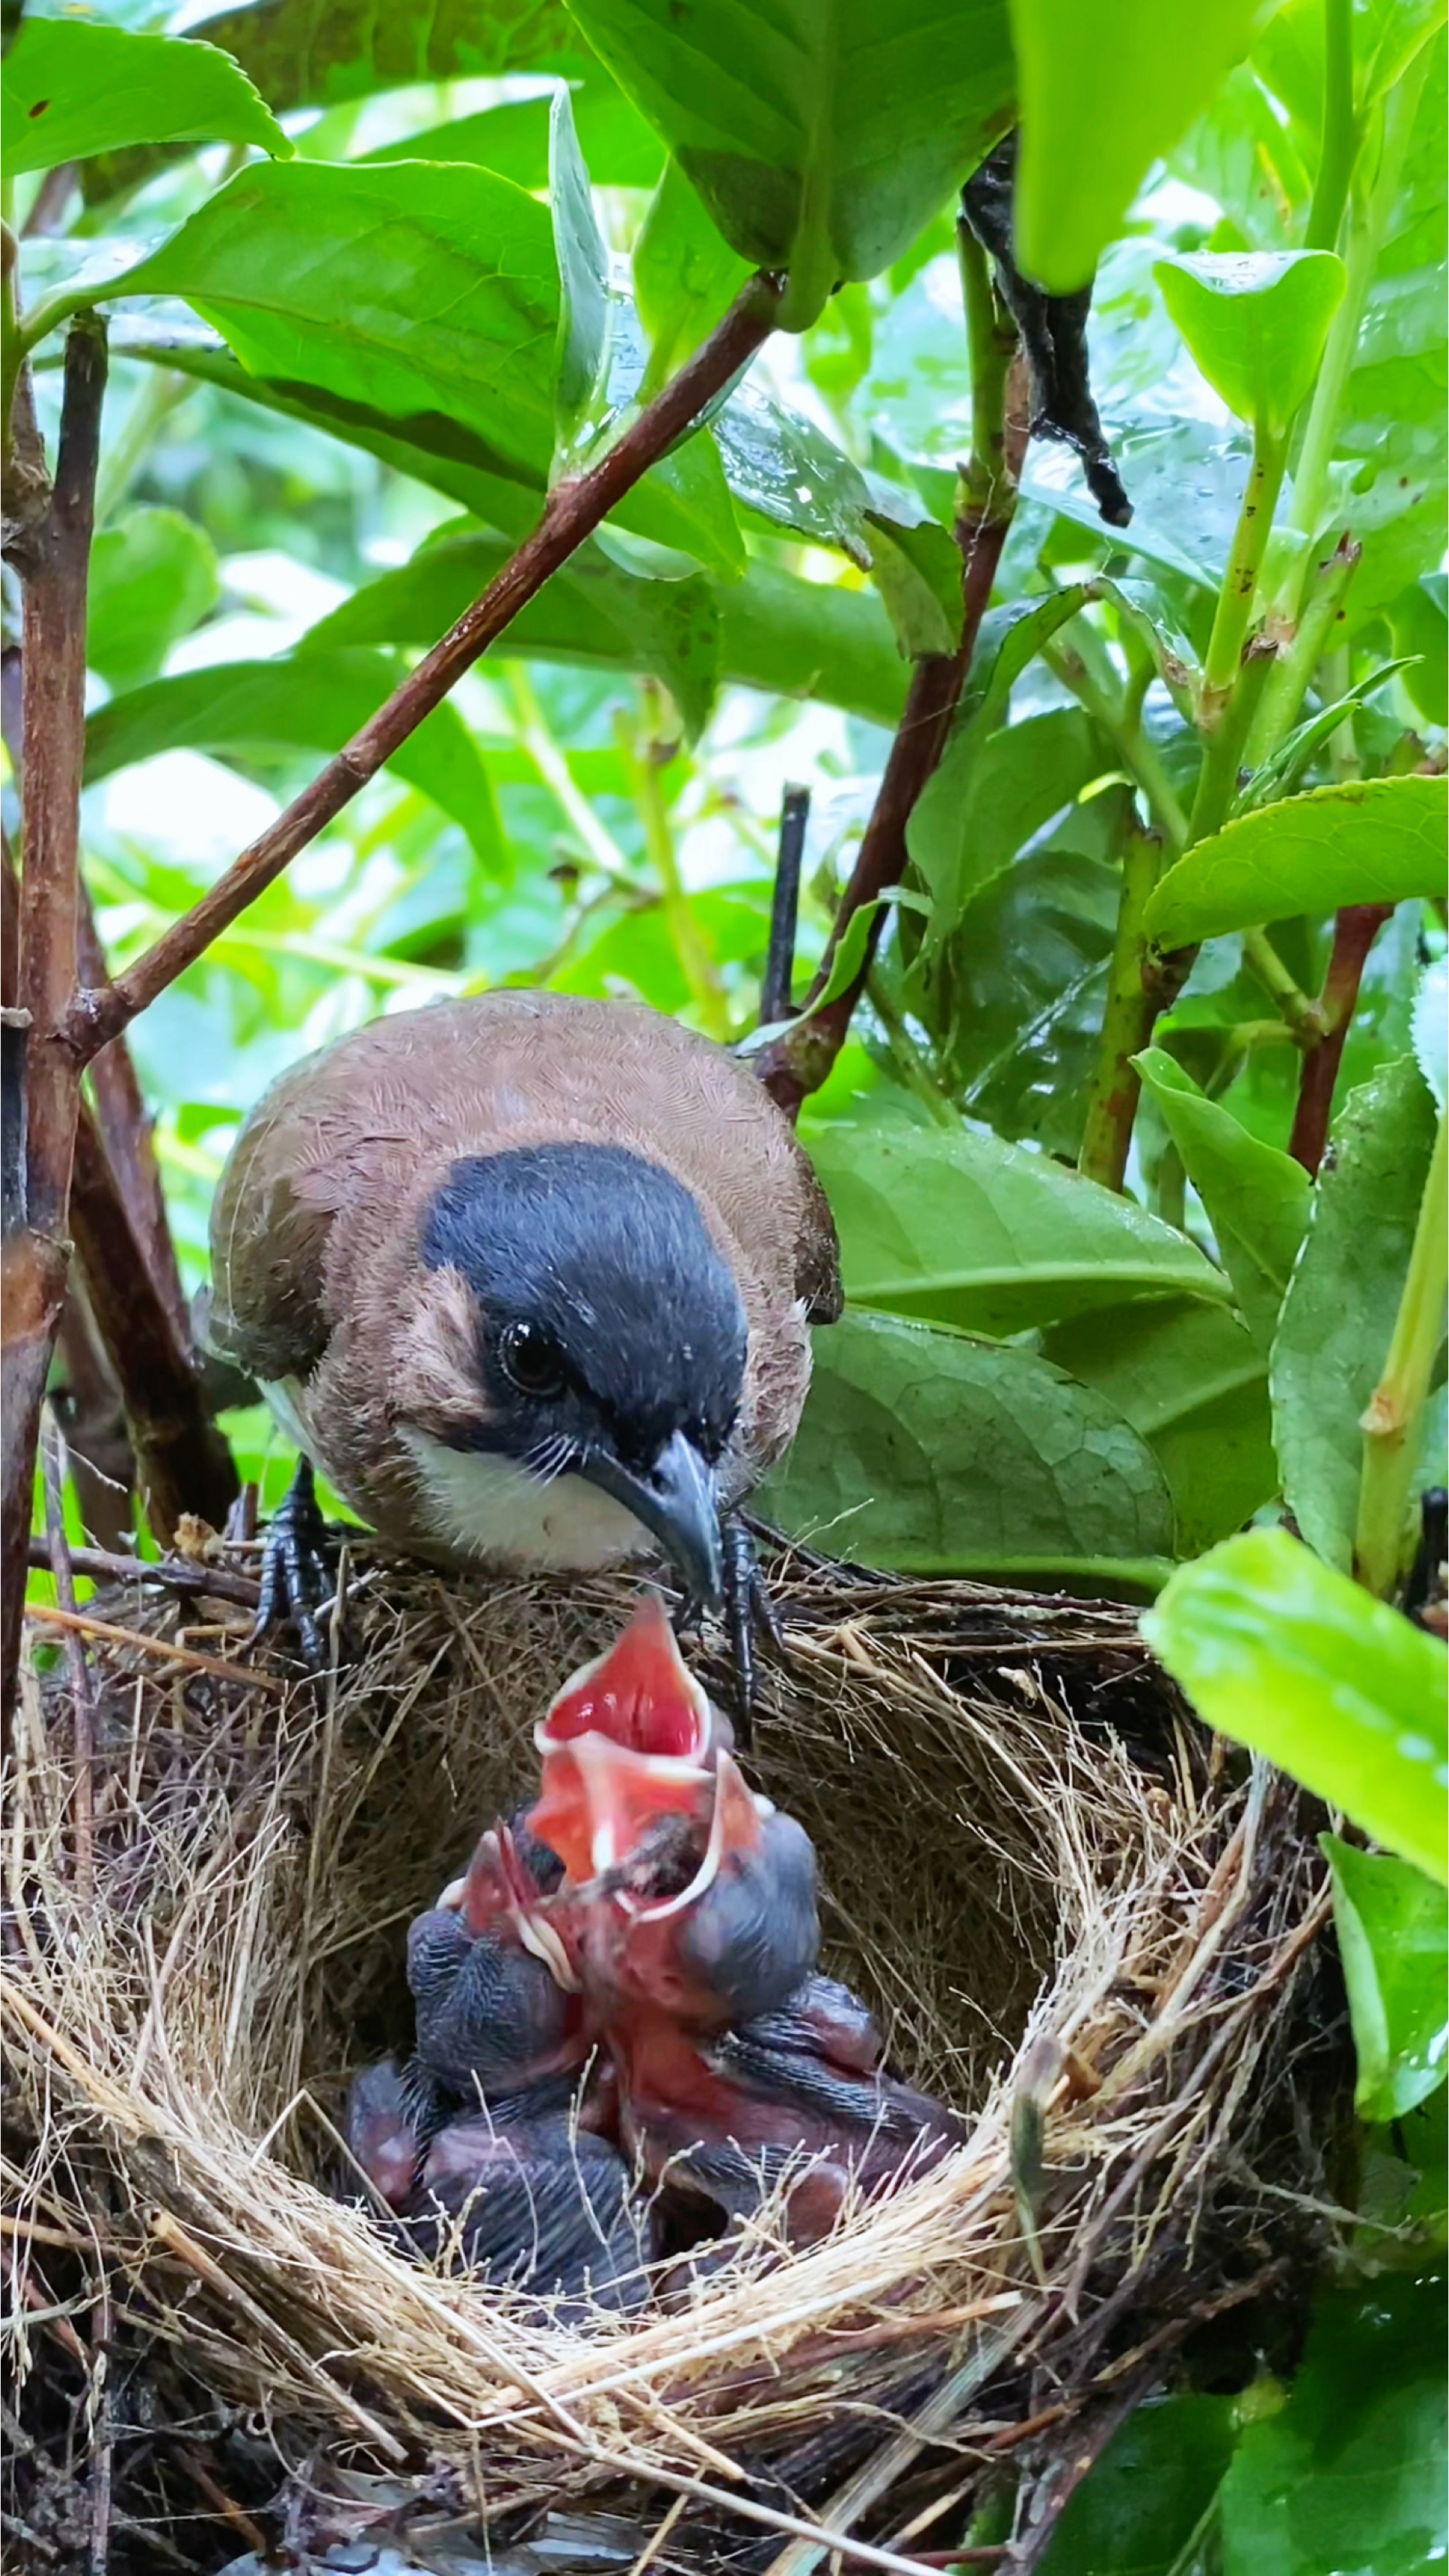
(677, 1504)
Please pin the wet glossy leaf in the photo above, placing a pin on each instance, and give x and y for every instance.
(781, 465)
(1135, 2515)
(1350, 2473)
(1333, 1336)
(1368, 841)
(153, 577)
(1393, 1939)
(1256, 1198)
(1016, 1005)
(685, 275)
(583, 269)
(930, 1452)
(311, 701)
(1256, 322)
(962, 1229)
(1189, 1378)
(69, 90)
(821, 140)
(1281, 1652)
(1103, 92)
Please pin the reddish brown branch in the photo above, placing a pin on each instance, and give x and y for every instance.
(798, 1062)
(172, 1574)
(572, 513)
(183, 1462)
(1354, 932)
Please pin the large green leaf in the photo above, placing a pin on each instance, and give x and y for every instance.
(1256, 1198)
(822, 135)
(963, 1230)
(69, 90)
(1294, 1659)
(1371, 841)
(428, 289)
(1256, 322)
(993, 792)
(1350, 2473)
(1103, 93)
(775, 631)
(311, 701)
(1022, 990)
(937, 1454)
(1137, 2513)
(1333, 1336)
(1393, 1939)
(1189, 1378)
(153, 577)
(620, 149)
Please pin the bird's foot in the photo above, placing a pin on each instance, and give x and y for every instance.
(749, 1615)
(295, 1579)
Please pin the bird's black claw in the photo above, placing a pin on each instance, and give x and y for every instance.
(749, 1614)
(295, 1578)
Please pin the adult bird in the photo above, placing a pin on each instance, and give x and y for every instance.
(530, 1278)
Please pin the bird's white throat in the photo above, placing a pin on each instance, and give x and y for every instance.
(485, 1506)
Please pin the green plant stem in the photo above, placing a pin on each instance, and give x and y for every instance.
(909, 1062)
(161, 389)
(1293, 671)
(1338, 150)
(1365, 241)
(647, 757)
(552, 766)
(1223, 749)
(1304, 1018)
(1127, 1022)
(1123, 725)
(1393, 1411)
(1240, 581)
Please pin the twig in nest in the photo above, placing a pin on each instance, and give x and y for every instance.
(82, 1695)
(172, 1573)
(216, 1665)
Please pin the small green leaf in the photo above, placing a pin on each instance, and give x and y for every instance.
(1256, 322)
(1295, 1660)
(69, 90)
(821, 138)
(1333, 1334)
(933, 1453)
(849, 956)
(1256, 1198)
(1393, 1939)
(1420, 620)
(1190, 1379)
(685, 275)
(1282, 771)
(918, 574)
(583, 267)
(960, 1229)
(1104, 92)
(153, 577)
(1377, 840)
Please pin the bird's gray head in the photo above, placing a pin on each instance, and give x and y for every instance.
(601, 1334)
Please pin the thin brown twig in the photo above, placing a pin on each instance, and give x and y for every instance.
(1355, 929)
(103, 2440)
(216, 1665)
(171, 1573)
(82, 1694)
(572, 513)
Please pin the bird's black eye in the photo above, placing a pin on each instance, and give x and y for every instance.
(532, 1359)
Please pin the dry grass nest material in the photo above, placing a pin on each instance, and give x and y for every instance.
(1076, 1918)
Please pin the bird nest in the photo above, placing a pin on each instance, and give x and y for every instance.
(1078, 1919)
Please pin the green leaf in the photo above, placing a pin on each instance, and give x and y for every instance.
(621, 151)
(918, 574)
(312, 701)
(583, 267)
(1333, 1336)
(1393, 1939)
(1189, 1378)
(1420, 620)
(685, 275)
(1376, 840)
(1256, 322)
(772, 631)
(991, 794)
(822, 137)
(779, 464)
(1295, 1660)
(932, 1453)
(960, 1229)
(69, 90)
(1256, 1198)
(1350, 2473)
(1103, 93)
(1137, 2512)
(153, 577)
(1282, 771)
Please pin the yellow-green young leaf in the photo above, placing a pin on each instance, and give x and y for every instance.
(1277, 1650)
(153, 577)
(821, 134)
(1255, 1197)
(70, 90)
(1376, 840)
(1256, 322)
(918, 574)
(1393, 1939)
(1103, 92)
